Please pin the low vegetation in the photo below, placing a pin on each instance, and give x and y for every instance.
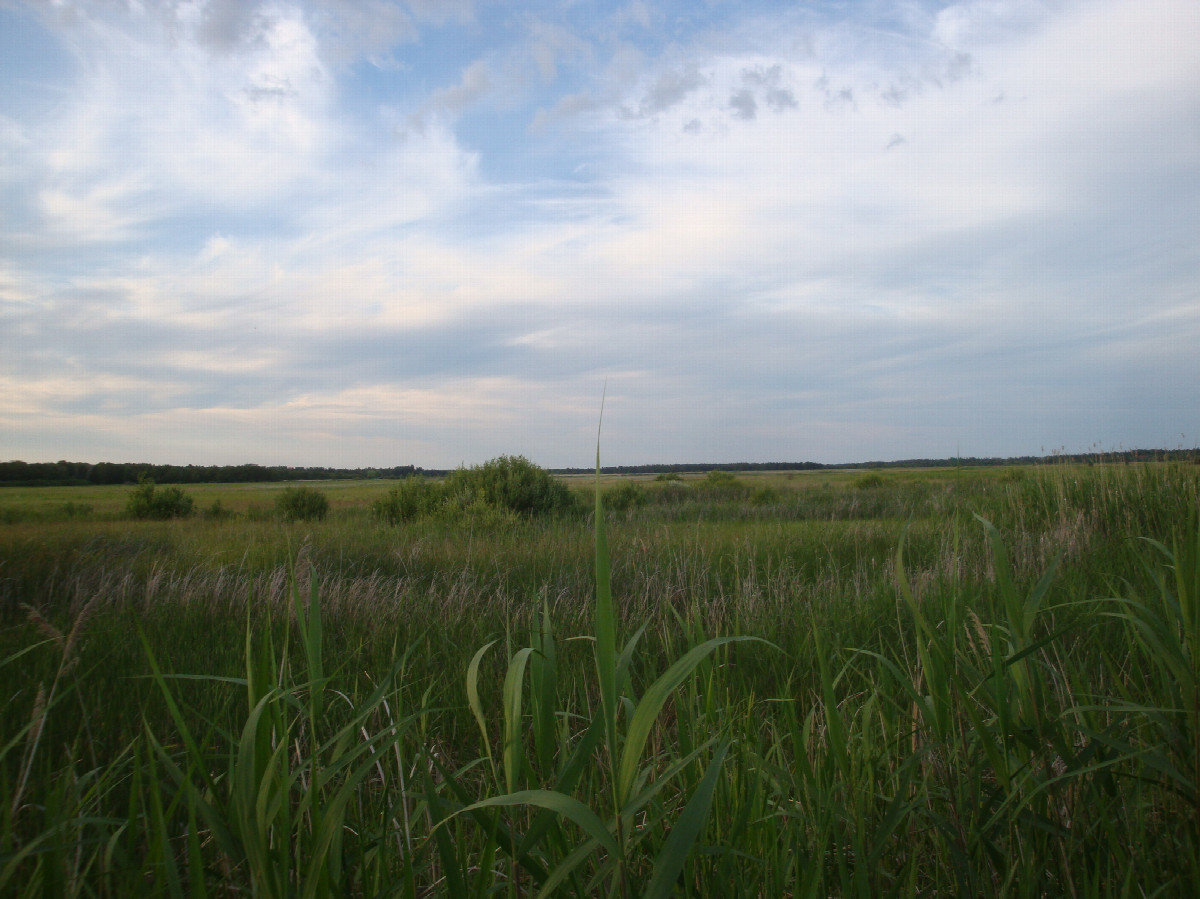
(497, 492)
(302, 504)
(149, 501)
(940, 683)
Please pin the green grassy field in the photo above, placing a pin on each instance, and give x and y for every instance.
(933, 682)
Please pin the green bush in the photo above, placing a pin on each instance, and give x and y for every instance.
(722, 486)
(414, 497)
(148, 501)
(302, 504)
(626, 496)
(495, 493)
(512, 483)
(466, 507)
(869, 481)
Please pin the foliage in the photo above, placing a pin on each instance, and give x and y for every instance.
(302, 504)
(512, 483)
(148, 501)
(497, 493)
(870, 481)
(412, 498)
(621, 824)
(467, 508)
(958, 707)
(626, 496)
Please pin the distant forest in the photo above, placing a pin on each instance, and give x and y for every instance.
(63, 474)
(1125, 456)
(46, 474)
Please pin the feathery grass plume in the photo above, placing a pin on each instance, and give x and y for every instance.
(44, 626)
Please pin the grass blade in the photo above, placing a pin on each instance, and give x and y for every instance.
(651, 705)
(670, 860)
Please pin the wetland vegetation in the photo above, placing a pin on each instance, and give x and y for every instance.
(814, 683)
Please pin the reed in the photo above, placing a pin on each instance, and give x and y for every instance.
(971, 686)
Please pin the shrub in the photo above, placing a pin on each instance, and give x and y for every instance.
(148, 501)
(413, 497)
(512, 483)
(302, 504)
(624, 497)
(464, 507)
(495, 493)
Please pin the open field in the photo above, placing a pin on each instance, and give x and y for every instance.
(232, 703)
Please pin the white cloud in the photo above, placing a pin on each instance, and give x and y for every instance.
(981, 22)
(888, 227)
(474, 83)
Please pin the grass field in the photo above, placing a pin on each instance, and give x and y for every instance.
(933, 682)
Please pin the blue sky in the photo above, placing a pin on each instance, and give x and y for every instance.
(380, 233)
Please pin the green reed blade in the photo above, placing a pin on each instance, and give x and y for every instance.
(691, 821)
(514, 681)
(651, 705)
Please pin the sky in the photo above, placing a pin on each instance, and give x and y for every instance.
(433, 232)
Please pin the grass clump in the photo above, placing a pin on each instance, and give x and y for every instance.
(219, 512)
(73, 510)
(870, 481)
(302, 504)
(150, 502)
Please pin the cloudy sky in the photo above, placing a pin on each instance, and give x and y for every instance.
(375, 233)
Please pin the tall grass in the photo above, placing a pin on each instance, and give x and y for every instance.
(990, 688)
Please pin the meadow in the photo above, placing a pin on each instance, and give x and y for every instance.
(924, 682)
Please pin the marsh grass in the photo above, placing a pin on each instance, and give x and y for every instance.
(980, 685)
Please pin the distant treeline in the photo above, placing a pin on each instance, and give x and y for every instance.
(1128, 457)
(46, 474)
(1125, 456)
(62, 473)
